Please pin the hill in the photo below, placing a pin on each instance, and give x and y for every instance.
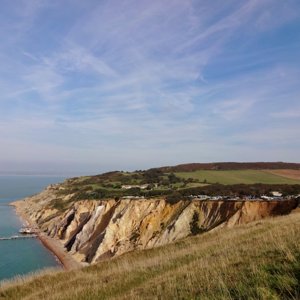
(260, 260)
(164, 181)
(242, 176)
(231, 166)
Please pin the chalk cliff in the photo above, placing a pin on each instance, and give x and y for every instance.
(94, 230)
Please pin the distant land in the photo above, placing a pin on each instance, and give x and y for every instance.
(189, 167)
(243, 178)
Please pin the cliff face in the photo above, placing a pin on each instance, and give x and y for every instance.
(93, 230)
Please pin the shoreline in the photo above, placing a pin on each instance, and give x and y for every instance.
(53, 245)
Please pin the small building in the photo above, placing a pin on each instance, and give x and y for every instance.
(203, 197)
(142, 186)
(276, 194)
(266, 197)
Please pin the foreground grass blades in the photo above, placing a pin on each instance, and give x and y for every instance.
(256, 261)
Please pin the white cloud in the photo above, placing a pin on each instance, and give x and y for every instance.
(287, 114)
(233, 109)
(44, 80)
(120, 78)
(77, 58)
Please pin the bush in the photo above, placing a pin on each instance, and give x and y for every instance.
(174, 198)
(194, 226)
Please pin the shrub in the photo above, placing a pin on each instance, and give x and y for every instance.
(194, 226)
(174, 198)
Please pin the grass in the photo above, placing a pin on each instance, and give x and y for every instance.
(257, 261)
(237, 176)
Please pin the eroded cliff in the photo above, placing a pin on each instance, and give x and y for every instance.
(94, 230)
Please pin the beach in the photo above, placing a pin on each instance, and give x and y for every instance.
(52, 244)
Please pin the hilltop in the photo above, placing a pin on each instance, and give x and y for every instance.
(233, 178)
(231, 166)
(177, 183)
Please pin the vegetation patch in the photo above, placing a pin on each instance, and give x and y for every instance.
(173, 198)
(236, 177)
(175, 186)
(194, 225)
(59, 204)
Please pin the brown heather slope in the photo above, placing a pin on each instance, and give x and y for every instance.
(292, 174)
(231, 166)
(258, 261)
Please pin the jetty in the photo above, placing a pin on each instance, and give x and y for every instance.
(18, 237)
(28, 230)
(26, 233)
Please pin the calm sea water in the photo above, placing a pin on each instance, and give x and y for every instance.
(19, 257)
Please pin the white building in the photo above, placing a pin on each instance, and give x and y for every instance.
(276, 194)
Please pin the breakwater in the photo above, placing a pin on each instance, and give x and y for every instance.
(18, 237)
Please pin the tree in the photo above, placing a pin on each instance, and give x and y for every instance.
(174, 198)
(173, 178)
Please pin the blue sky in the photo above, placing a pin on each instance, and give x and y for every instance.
(89, 86)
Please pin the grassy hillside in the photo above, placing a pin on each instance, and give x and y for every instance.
(237, 176)
(231, 166)
(154, 182)
(257, 261)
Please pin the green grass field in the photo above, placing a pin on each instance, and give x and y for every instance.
(237, 176)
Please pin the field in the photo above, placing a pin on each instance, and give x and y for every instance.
(239, 176)
(292, 174)
(255, 261)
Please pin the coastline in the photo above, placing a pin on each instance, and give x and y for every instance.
(51, 244)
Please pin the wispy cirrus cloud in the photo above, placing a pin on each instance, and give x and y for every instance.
(289, 113)
(116, 81)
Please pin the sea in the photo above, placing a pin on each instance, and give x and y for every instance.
(21, 256)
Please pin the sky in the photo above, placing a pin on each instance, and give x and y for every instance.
(92, 86)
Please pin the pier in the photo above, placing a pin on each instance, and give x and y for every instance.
(18, 237)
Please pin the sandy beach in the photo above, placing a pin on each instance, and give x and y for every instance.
(53, 245)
